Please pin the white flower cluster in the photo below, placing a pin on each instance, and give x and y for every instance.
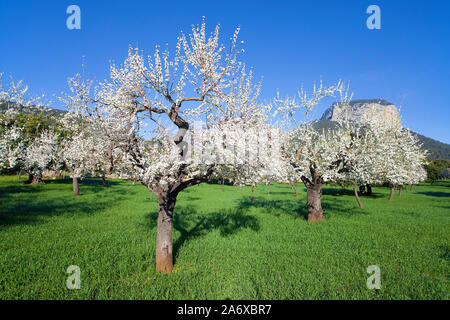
(374, 150)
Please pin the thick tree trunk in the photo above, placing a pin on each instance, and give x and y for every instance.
(365, 190)
(410, 187)
(400, 191)
(164, 244)
(35, 178)
(314, 201)
(76, 188)
(362, 189)
(294, 188)
(392, 193)
(357, 196)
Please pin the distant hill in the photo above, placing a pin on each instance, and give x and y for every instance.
(437, 149)
(55, 112)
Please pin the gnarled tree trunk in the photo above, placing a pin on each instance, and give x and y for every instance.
(35, 178)
(76, 188)
(356, 195)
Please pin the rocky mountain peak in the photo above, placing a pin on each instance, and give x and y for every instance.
(361, 109)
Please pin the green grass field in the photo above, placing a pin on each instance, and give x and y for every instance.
(225, 246)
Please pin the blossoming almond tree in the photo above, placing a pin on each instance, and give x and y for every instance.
(315, 157)
(153, 105)
(404, 160)
(40, 155)
(385, 152)
(11, 145)
(25, 141)
(77, 153)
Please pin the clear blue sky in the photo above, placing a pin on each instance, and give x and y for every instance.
(288, 43)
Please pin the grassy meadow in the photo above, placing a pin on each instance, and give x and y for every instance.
(225, 245)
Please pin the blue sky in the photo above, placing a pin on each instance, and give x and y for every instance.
(288, 43)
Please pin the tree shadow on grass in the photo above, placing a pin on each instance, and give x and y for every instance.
(342, 208)
(441, 183)
(95, 185)
(445, 253)
(297, 208)
(36, 212)
(32, 208)
(336, 192)
(192, 224)
(434, 193)
(5, 191)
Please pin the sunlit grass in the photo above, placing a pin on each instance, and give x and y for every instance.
(225, 245)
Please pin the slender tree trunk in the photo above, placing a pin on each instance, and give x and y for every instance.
(164, 244)
(253, 189)
(223, 180)
(314, 201)
(392, 193)
(104, 181)
(294, 188)
(356, 195)
(400, 191)
(35, 178)
(76, 188)
(410, 187)
(406, 189)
